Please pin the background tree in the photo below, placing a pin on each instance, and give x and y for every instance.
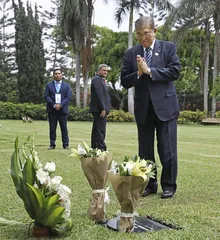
(198, 13)
(57, 53)
(7, 52)
(74, 21)
(29, 54)
(109, 47)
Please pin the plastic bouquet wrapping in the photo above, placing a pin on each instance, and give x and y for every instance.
(46, 200)
(129, 180)
(95, 165)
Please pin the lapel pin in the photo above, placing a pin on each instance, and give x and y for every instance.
(156, 54)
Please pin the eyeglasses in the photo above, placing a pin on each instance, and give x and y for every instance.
(145, 34)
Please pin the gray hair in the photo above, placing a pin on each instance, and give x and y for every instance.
(144, 22)
(102, 66)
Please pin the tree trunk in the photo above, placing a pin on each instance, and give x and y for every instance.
(78, 79)
(216, 68)
(85, 93)
(206, 78)
(130, 41)
(86, 59)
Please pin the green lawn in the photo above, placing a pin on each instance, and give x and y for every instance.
(195, 207)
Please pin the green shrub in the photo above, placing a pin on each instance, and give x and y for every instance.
(78, 114)
(10, 110)
(217, 114)
(120, 116)
(191, 117)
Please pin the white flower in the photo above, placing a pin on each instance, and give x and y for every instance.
(99, 152)
(54, 182)
(64, 192)
(114, 167)
(129, 166)
(37, 163)
(50, 167)
(42, 176)
(81, 150)
(63, 189)
(66, 204)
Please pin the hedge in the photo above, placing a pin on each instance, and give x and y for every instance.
(10, 110)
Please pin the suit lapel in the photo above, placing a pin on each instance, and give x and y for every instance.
(156, 53)
(53, 86)
(139, 51)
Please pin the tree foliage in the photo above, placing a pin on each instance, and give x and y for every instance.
(29, 54)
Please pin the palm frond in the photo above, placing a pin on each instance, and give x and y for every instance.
(74, 21)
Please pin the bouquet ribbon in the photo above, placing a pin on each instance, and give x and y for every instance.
(127, 214)
(106, 197)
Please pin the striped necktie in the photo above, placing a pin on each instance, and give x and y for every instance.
(147, 55)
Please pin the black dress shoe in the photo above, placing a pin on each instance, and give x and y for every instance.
(66, 147)
(149, 191)
(167, 194)
(51, 147)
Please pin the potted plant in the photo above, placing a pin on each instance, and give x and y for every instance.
(45, 199)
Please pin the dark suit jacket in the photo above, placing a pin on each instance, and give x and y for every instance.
(160, 88)
(49, 96)
(100, 99)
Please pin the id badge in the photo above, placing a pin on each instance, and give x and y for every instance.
(58, 98)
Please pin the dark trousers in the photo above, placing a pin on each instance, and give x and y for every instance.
(166, 134)
(54, 118)
(98, 132)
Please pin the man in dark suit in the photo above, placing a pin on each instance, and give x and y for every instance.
(151, 67)
(99, 107)
(57, 95)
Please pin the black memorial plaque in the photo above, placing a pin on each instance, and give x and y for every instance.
(142, 224)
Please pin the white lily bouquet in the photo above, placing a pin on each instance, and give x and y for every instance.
(45, 199)
(95, 165)
(129, 180)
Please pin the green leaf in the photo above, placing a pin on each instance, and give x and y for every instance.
(51, 201)
(16, 172)
(67, 225)
(126, 159)
(29, 174)
(136, 158)
(36, 197)
(29, 177)
(53, 217)
(5, 222)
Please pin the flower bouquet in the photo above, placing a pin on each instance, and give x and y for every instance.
(45, 199)
(95, 165)
(129, 180)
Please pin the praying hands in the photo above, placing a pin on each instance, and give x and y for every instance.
(142, 66)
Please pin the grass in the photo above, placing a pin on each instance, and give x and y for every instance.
(195, 207)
